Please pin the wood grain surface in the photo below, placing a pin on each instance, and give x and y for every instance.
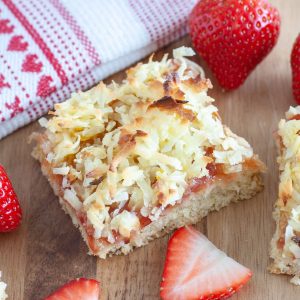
(46, 251)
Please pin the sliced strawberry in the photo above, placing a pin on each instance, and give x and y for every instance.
(196, 269)
(78, 289)
(295, 62)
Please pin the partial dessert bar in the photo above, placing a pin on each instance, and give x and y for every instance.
(133, 161)
(3, 285)
(285, 245)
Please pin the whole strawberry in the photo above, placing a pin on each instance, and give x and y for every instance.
(295, 62)
(233, 36)
(10, 210)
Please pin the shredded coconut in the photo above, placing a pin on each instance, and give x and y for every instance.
(139, 142)
(289, 187)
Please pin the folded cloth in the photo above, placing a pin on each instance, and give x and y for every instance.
(51, 48)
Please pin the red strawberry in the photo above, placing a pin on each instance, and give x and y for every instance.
(295, 62)
(78, 289)
(196, 269)
(233, 36)
(10, 210)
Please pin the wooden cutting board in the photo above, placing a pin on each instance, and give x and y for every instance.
(47, 251)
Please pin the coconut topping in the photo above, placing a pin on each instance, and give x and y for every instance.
(129, 150)
(289, 188)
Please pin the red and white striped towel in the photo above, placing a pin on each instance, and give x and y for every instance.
(51, 48)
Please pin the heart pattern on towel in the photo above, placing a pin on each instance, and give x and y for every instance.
(5, 27)
(31, 64)
(3, 84)
(44, 87)
(15, 107)
(17, 44)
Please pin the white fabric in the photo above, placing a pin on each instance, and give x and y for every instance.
(51, 48)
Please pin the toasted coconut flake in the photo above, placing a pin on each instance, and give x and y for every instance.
(170, 104)
(71, 197)
(61, 170)
(125, 223)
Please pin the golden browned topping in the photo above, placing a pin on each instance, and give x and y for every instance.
(289, 188)
(129, 150)
(173, 105)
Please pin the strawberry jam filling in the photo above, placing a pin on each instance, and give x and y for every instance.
(214, 171)
(295, 117)
(197, 184)
(89, 231)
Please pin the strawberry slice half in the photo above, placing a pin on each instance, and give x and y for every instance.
(196, 269)
(78, 289)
